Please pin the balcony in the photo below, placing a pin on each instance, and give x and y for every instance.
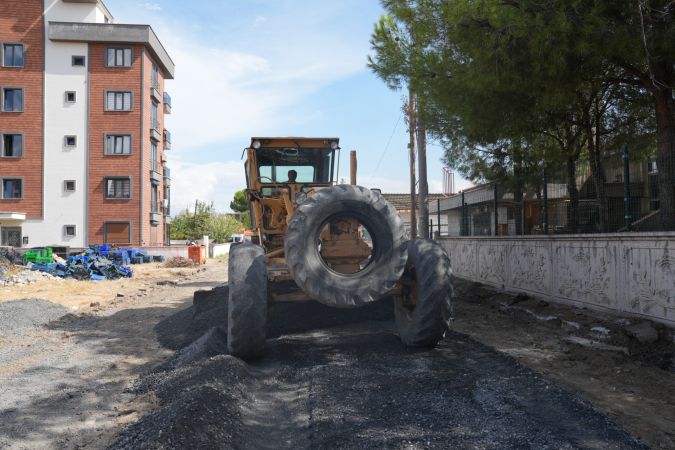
(155, 176)
(156, 95)
(166, 207)
(167, 176)
(154, 131)
(155, 215)
(167, 140)
(167, 103)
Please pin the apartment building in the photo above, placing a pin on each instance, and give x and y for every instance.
(82, 136)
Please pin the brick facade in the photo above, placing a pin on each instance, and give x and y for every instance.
(137, 166)
(21, 23)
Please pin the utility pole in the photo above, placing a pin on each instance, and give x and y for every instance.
(411, 147)
(424, 185)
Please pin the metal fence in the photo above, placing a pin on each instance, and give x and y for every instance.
(630, 203)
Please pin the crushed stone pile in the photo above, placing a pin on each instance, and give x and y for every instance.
(18, 316)
(199, 406)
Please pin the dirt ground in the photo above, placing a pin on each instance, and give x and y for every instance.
(80, 295)
(633, 383)
(63, 384)
(333, 378)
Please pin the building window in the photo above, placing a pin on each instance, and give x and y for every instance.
(11, 146)
(70, 141)
(71, 97)
(69, 230)
(154, 199)
(118, 101)
(11, 237)
(12, 99)
(118, 57)
(154, 116)
(12, 188)
(118, 144)
(154, 164)
(117, 232)
(69, 185)
(155, 76)
(12, 55)
(79, 61)
(651, 167)
(118, 187)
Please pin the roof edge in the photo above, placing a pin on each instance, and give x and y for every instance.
(115, 33)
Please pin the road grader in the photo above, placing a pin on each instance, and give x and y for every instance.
(342, 245)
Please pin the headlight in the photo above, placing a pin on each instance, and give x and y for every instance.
(256, 145)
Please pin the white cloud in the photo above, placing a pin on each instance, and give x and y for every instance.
(228, 92)
(213, 181)
(150, 6)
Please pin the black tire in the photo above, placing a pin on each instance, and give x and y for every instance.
(428, 276)
(327, 286)
(247, 301)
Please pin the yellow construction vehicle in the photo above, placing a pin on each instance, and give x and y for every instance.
(342, 245)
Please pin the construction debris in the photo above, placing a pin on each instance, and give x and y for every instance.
(90, 265)
(179, 261)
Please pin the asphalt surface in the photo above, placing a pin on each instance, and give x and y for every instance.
(342, 379)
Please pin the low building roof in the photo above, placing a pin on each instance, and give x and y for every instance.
(402, 202)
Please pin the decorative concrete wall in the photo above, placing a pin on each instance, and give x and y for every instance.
(626, 273)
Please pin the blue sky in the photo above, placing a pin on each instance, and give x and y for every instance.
(273, 67)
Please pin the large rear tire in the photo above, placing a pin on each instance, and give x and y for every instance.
(423, 311)
(247, 301)
(326, 285)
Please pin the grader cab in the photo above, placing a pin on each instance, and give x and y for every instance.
(337, 244)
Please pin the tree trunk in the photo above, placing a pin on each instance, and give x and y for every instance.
(665, 156)
(423, 183)
(599, 179)
(518, 190)
(573, 209)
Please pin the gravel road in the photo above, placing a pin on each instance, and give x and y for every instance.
(64, 373)
(341, 379)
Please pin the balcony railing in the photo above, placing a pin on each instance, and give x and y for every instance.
(155, 132)
(167, 140)
(167, 103)
(155, 93)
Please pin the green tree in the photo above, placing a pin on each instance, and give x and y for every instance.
(519, 81)
(240, 201)
(240, 204)
(204, 221)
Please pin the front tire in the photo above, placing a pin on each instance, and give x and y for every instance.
(327, 286)
(423, 310)
(247, 301)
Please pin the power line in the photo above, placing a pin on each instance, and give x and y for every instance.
(386, 147)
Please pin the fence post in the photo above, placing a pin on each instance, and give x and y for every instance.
(438, 215)
(463, 227)
(627, 211)
(496, 212)
(545, 221)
